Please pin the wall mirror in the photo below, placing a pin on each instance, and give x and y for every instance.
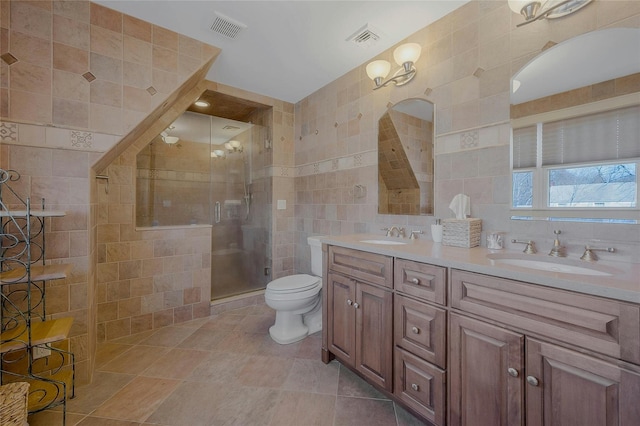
(405, 158)
(574, 112)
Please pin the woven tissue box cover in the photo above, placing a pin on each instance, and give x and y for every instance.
(461, 232)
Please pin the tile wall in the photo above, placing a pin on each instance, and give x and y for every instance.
(467, 60)
(74, 78)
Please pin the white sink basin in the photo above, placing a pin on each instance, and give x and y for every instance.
(565, 266)
(384, 242)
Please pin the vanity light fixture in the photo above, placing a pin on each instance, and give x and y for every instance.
(169, 140)
(201, 104)
(218, 153)
(534, 10)
(233, 146)
(406, 56)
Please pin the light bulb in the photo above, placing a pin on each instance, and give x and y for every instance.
(235, 144)
(378, 69)
(409, 52)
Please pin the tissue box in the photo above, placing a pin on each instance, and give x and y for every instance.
(461, 232)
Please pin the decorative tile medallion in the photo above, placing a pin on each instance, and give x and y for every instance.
(284, 171)
(357, 160)
(334, 164)
(8, 132)
(468, 139)
(81, 139)
(316, 168)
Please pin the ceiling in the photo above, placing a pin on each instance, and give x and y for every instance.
(289, 49)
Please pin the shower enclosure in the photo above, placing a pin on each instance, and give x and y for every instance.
(210, 170)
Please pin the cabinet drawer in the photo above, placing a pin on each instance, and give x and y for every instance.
(370, 267)
(602, 325)
(420, 329)
(421, 280)
(421, 386)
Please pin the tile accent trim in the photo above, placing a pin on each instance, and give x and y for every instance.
(8, 132)
(495, 135)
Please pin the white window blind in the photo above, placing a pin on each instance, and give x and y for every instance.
(524, 147)
(609, 135)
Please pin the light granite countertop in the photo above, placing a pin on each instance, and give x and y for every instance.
(622, 284)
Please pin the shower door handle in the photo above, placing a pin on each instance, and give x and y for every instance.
(216, 212)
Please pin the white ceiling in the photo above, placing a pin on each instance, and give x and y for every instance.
(292, 48)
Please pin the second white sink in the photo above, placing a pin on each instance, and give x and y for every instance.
(384, 242)
(565, 266)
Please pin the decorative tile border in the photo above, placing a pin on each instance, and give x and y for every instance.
(55, 137)
(495, 135)
(8, 132)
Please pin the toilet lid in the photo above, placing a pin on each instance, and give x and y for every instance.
(293, 283)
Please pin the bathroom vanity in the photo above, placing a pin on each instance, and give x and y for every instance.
(460, 338)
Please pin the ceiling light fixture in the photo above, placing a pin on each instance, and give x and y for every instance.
(536, 10)
(406, 56)
(201, 104)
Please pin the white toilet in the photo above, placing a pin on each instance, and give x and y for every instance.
(297, 300)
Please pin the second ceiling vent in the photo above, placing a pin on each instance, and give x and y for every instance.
(226, 26)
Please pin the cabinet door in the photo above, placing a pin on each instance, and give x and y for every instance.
(566, 388)
(341, 294)
(374, 334)
(485, 373)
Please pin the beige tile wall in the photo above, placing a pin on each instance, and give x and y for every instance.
(467, 60)
(56, 124)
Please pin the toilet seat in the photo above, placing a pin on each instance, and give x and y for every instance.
(293, 283)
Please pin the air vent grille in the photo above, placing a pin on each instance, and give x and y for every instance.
(365, 36)
(226, 26)
(229, 127)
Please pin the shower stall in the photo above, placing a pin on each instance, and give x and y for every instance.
(206, 170)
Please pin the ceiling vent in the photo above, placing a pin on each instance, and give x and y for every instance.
(366, 36)
(230, 127)
(226, 26)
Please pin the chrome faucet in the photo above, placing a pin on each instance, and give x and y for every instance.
(529, 249)
(557, 250)
(589, 254)
(399, 231)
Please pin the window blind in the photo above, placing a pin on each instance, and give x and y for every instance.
(609, 135)
(524, 147)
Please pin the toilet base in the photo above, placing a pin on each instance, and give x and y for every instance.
(288, 328)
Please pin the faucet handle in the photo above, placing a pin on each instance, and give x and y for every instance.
(387, 230)
(589, 254)
(401, 232)
(530, 248)
(414, 234)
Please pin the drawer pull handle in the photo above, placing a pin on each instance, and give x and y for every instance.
(512, 372)
(532, 381)
(356, 305)
(415, 281)
(415, 387)
(415, 330)
(349, 302)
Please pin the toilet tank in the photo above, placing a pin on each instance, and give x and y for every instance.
(316, 255)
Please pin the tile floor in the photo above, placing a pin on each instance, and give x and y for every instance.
(222, 370)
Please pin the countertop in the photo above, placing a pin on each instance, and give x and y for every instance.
(623, 284)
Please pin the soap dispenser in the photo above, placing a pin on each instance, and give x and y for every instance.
(436, 232)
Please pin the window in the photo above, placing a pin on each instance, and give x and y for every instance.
(580, 166)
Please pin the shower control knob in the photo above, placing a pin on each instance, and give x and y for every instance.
(349, 302)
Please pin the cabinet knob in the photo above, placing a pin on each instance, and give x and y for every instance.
(415, 330)
(532, 381)
(349, 302)
(415, 281)
(512, 372)
(415, 387)
(356, 305)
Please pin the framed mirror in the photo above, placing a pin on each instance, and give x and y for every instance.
(574, 117)
(406, 159)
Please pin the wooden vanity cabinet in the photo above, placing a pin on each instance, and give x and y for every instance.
(360, 326)
(508, 374)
